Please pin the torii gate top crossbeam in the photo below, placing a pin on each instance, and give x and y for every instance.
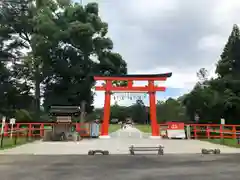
(130, 78)
(134, 77)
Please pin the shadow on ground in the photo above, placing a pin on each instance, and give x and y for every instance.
(119, 167)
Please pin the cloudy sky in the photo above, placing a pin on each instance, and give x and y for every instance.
(178, 36)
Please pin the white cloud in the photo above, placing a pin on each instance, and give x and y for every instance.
(211, 42)
(179, 79)
(225, 13)
(146, 9)
(160, 36)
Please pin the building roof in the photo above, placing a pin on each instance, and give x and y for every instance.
(137, 75)
(66, 110)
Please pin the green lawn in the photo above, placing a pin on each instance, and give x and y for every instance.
(226, 142)
(144, 128)
(11, 142)
(141, 127)
(147, 128)
(114, 127)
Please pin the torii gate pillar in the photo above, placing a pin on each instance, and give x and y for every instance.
(151, 89)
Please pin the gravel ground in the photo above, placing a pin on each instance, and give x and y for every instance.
(65, 160)
(119, 167)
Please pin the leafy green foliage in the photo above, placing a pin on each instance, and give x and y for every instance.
(13, 94)
(65, 43)
(75, 49)
(23, 115)
(171, 110)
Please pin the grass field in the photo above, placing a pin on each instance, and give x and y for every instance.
(147, 128)
(11, 142)
(144, 128)
(141, 127)
(114, 127)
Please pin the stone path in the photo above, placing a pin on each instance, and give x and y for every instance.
(117, 144)
(129, 132)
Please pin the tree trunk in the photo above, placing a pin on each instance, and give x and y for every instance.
(83, 111)
(37, 93)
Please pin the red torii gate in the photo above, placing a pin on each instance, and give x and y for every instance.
(151, 89)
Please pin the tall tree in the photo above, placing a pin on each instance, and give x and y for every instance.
(202, 75)
(229, 64)
(17, 23)
(138, 112)
(170, 110)
(228, 70)
(13, 94)
(75, 48)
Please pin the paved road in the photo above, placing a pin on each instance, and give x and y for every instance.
(119, 167)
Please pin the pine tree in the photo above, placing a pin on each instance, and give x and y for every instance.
(228, 71)
(228, 66)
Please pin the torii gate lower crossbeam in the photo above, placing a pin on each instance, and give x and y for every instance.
(151, 89)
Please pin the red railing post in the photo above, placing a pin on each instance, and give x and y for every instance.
(41, 130)
(77, 127)
(208, 132)
(195, 131)
(6, 130)
(221, 131)
(29, 130)
(234, 132)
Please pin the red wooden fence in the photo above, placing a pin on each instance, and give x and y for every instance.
(198, 131)
(37, 129)
(212, 131)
